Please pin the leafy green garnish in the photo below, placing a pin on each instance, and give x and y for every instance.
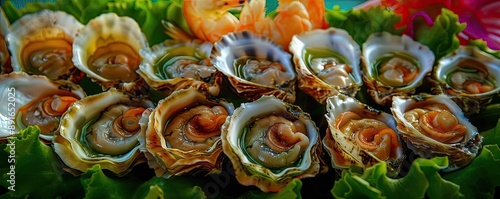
(481, 44)
(362, 23)
(441, 38)
(175, 187)
(37, 170)
(292, 190)
(98, 185)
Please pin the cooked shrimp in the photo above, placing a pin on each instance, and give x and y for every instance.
(210, 19)
(316, 10)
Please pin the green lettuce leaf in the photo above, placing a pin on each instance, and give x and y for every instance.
(492, 136)
(481, 176)
(292, 190)
(481, 44)
(174, 187)
(362, 23)
(38, 172)
(423, 179)
(98, 185)
(441, 38)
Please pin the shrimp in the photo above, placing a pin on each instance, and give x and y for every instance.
(316, 10)
(210, 19)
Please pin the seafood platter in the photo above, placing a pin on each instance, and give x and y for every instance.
(250, 99)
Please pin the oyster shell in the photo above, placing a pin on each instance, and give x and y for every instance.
(103, 129)
(327, 63)
(35, 100)
(4, 51)
(470, 75)
(41, 44)
(360, 135)
(255, 66)
(107, 50)
(394, 65)
(174, 65)
(434, 125)
(183, 133)
(270, 142)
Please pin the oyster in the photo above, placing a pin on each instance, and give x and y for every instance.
(434, 125)
(469, 74)
(174, 65)
(35, 100)
(107, 50)
(394, 65)
(103, 129)
(255, 66)
(359, 135)
(41, 44)
(183, 133)
(4, 51)
(327, 62)
(270, 142)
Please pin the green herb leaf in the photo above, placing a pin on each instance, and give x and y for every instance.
(38, 172)
(481, 44)
(292, 190)
(174, 187)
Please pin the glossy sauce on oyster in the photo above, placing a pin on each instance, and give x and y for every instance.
(255, 66)
(434, 125)
(394, 65)
(470, 75)
(41, 44)
(184, 133)
(360, 135)
(327, 63)
(35, 100)
(174, 65)
(107, 50)
(270, 143)
(103, 129)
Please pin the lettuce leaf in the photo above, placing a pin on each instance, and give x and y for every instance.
(362, 23)
(441, 38)
(98, 185)
(492, 136)
(479, 179)
(174, 187)
(38, 172)
(481, 44)
(422, 180)
(292, 190)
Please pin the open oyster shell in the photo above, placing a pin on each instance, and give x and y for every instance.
(270, 142)
(183, 133)
(107, 50)
(4, 51)
(35, 100)
(41, 43)
(359, 135)
(178, 64)
(470, 75)
(327, 63)
(255, 66)
(103, 129)
(394, 65)
(434, 125)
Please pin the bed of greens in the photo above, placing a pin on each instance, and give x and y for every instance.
(39, 172)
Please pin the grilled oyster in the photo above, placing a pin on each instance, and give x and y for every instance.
(327, 63)
(359, 135)
(41, 44)
(394, 65)
(270, 142)
(255, 66)
(434, 125)
(183, 133)
(103, 129)
(470, 75)
(174, 65)
(35, 100)
(107, 50)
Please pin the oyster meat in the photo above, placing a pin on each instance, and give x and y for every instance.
(4, 51)
(178, 64)
(434, 125)
(394, 65)
(35, 100)
(103, 129)
(183, 133)
(327, 63)
(255, 66)
(107, 50)
(470, 75)
(270, 143)
(41, 43)
(360, 135)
